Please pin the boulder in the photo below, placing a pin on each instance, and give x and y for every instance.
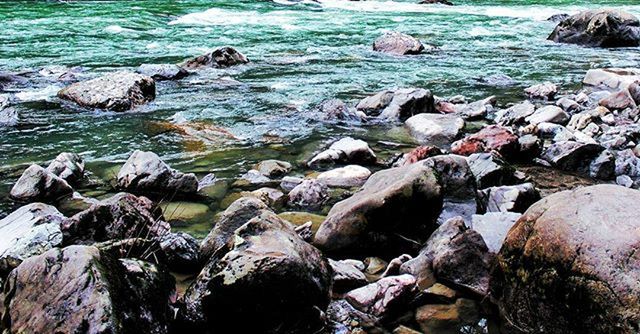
(490, 170)
(548, 114)
(374, 104)
(611, 78)
(236, 215)
(603, 167)
(493, 227)
(269, 275)
(619, 100)
(335, 109)
(345, 177)
(122, 216)
(220, 58)
(30, 230)
(571, 155)
(67, 166)
(544, 91)
(530, 147)
(570, 264)
(455, 254)
(478, 109)
(145, 172)
(490, 138)
(310, 195)
(273, 168)
(399, 104)
(181, 252)
(79, 290)
(397, 43)
(568, 104)
(39, 184)
(516, 114)
(119, 91)
(272, 197)
(435, 129)
(161, 72)
(517, 198)
(385, 296)
(346, 276)
(394, 204)
(604, 28)
(557, 18)
(345, 151)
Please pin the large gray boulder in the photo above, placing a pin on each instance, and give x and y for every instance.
(119, 91)
(435, 129)
(145, 172)
(397, 43)
(39, 184)
(570, 264)
(599, 28)
(393, 205)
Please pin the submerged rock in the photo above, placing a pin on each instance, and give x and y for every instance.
(397, 43)
(448, 318)
(119, 91)
(163, 71)
(144, 171)
(345, 151)
(39, 184)
(435, 129)
(570, 264)
(336, 109)
(68, 166)
(599, 28)
(222, 57)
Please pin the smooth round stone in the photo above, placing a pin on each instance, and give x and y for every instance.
(345, 177)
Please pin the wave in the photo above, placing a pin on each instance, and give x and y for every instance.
(222, 17)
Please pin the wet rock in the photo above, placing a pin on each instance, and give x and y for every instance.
(619, 100)
(222, 57)
(477, 109)
(497, 80)
(448, 318)
(571, 155)
(163, 71)
(38, 184)
(335, 109)
(122, 216)
(274, 198)
(568, 104)
(236, 215)
(490, 170)
(517, 198)
(344, 151)
(543, 91)
(345, 177)
(490, 138)
(417, 154)
(145, 172)
(346, 276)
(548, 114)
(530, 147)
(94, 293)
(374, 104)
(30, 230)
(253, 178)
(310, 195)
(273, 168)
(599, 28)
(9, 117)
(403, 201)
(435, 129)
(439, 293)
(181, 251)
(458, 186)
(603, 167)
(611, 78)
(119, 91)
(570, 265)
(68, 166)
(397, 43)
(344, 318)
(283, 282)
(493, 227)
(385, 296)
(399, 104)
(456, 254)
(516, 114)
(557, 18)
(289, 182)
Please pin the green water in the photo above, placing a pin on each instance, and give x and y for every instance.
(301, 54)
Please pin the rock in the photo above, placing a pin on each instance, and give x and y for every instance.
(604, 28)
(627, 163)
(394, 265)
(119, 91)
(274, 198)
(435, 129)
(30, 230)
(453, 253)
(555, 132)
(625, 181)
(289, 182)
(273, 168)
(344, 151)
(283, 282)
(619, 100)
(530, 147)
(145, 172)
(490, 170)
(67, 166)
(38, 184)
(571, 156)
(516, 198)
(335, 109)
(399, 104)
(310, 194)
(611, 78)
(603, 167)
(458, 186)
(404, 329)
(181, 251)
(397, 43)
(448, 318)
(516, 114)
(346, 276)
(493, 227)
(253, 178)
(94, 293)
(570, 264)
(557, 18)
(9, 117)
(345, 177)
(548, 114)
(417, 154)
(344, 318)
(490, 138)
(161, 72)
(403, 201)
(543, 91)
(383, 297)
(440, 2)
(236, 215)
(568, 105)
(222, 57)
(439, 293)
(497, 80)
(478, 109)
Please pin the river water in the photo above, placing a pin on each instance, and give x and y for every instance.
(301, 53)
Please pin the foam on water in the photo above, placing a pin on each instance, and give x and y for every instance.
(222, 17)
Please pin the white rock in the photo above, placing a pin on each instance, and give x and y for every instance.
(348, 176)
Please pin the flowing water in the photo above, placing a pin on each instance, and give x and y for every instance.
(301, 53)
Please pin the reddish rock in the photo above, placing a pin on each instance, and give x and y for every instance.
(490, 138)
(619, 100)
(444, 107)
(417, 154)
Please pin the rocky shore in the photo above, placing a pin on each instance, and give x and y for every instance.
(461, 232)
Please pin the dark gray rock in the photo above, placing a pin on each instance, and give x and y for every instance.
(38, 184)
(399, 104)
(599, 28)
(145, 172)
(181, 252)
(603, 167)
(222, 57)
(517, 198)
(163, 71)
(490, 170)
(68, 166)
(346, 276)
(571, 155)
